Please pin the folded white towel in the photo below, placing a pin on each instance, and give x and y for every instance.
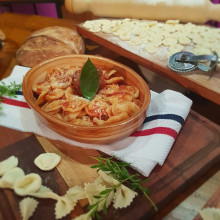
(144, 149)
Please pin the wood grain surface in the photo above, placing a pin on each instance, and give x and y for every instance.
(189, 159)
(198, 82)
(194, 154)
(213, 202)
(26, 151)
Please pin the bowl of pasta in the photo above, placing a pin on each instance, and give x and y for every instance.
(87, 98)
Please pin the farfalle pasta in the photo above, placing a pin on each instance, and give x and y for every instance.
(59, 95)
(27, 207)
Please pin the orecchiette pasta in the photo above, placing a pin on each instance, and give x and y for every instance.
(59, 95)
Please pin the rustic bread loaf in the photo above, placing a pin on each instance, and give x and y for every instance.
(48, 43)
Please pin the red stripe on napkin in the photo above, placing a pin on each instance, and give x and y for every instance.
(14, 102)
(157, 130)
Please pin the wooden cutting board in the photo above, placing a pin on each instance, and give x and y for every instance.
(214, 202)
(26, 151)
(196, 150)
(199, 81)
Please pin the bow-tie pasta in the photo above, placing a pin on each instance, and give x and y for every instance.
(27, 207)
(47, 161)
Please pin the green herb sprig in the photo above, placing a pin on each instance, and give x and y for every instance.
(9, 90)
(119, 171)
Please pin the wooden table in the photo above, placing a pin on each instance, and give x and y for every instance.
(194, 158)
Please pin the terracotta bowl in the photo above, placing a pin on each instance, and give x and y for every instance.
(87, 134)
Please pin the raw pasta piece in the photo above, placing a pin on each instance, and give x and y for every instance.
(155, 37)
(47, 161)
(210, 213)
(86, 216)
(144, 37)
(124, 35)
(105, 22)
(27, 184)
(184, 40)
(169, 41)
(63, 207)
(94, 189)
(172, 22)
(156, 42)
(45, 192)
(123, 197)
(107, 30)
(170, 28)
(135, 41)
(75, 193)
(201, 51)
(137, 31)
(151, 48)
(174, 49)
(8, 164)
(151, 23)
(9, 178)
(88, 24)
(95, 29)
(27, 207)
(106, 179)
(91, 190)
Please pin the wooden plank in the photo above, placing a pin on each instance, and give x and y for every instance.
(198, 82)
(9, 136)
(27, 150)
(76, 162)
(189, 159)
(214, 202)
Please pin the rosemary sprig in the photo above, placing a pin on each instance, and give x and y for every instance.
(119, 171)
(101, 198)
(9, 90)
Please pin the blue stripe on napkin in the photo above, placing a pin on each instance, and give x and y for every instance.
(166, 116)
(19, 93)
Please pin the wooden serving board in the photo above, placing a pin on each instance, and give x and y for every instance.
(214, 202)
(196, 150)
(198, 82)
(26, 151)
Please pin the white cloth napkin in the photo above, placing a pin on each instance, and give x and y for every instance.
(144, 149)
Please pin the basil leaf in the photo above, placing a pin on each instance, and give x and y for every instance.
(89, 80)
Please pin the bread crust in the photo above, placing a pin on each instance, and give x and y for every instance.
(48, 43)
